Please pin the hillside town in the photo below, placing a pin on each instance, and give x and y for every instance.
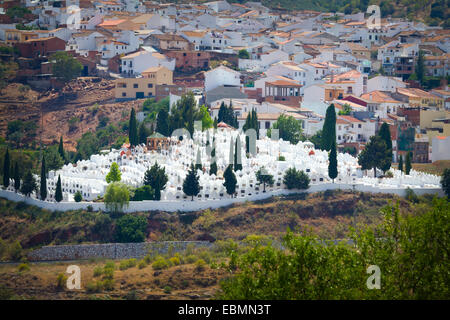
(240, 63)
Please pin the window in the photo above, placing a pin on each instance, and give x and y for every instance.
(150, 85)
(267, 125)
(135, 85)
(124, 94)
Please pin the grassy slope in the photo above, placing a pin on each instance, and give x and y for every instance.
(329, 216)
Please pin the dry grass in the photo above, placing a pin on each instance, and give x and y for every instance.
(436, 167)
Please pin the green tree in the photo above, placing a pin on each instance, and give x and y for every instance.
(346, 110)
(157, 178)
(16, 177)
(143, 133)
(117, 197)
(263, 176)
(329, 128)
(184, 113)
(400, 163)
(374, 155)
(43, 186)
(114, 174)
(207, 121)
(130, 228)
(215, 123)
(445, 182)
(289, 129)
(213, 167)
(78, 197)
(332, 163)
(408, 165)
(317, 140)
(65, 67)
(132, 129)
(28, 184)
(385, 134)
(58, 191)
(420, 68)
(243, 54)
(191, 185)
(61, 152)
(6, 169)
(53, 159)
(296, 179)
(230, 180)
(162, 122)
(144, 193)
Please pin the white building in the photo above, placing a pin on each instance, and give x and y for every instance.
(222, 76)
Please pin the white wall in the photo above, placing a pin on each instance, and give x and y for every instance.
(186, 205)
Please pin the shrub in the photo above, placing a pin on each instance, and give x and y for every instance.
(24, 267)
(389, 174)
(90, 208)
(93, 287)
(200, 265)
(130, 228)
(167, 289)
(281, 158)
(108, 284)
(160, 263)
(78, 196)
(15, 251)
(110, 265)
(61, 281)
(98, 271)
(191, 258)
(296, 179)
(174, 261)
(5, 293)
(131, 295)
(126, 264)
(108, 273)
(142, 264)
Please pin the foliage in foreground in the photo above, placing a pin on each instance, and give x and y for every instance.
(412, 252)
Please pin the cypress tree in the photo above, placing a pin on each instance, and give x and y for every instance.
(215, 123)
(400, 163)
(408, 163)
(58, 191)
(222, 113)
(132, 129)
(16, 177)
(385, 134)
(61, 149)
(143, 133)
(213, 167)
(191, 185)
(162, 122)
(329, 128)
(230, 180)
(255, 122)
(6, 169)
(43, 186)
(332, 163)
(237, 155)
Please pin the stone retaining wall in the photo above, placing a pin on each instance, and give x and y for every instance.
(111, 250)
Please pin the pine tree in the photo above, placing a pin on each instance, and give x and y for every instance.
(114, 174)
(329, 128)
(230, 180)
(400, 163)
(408, 163)
(162, 122)
(6, 169)
(237, 155)
(374, 155)
(132, 129)
(16, 177)
(58, 191)
(191, 185)
(332, 163)
(61, 149)
(198, 162)
(29, 184)
(156, 178)
(43, 186)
